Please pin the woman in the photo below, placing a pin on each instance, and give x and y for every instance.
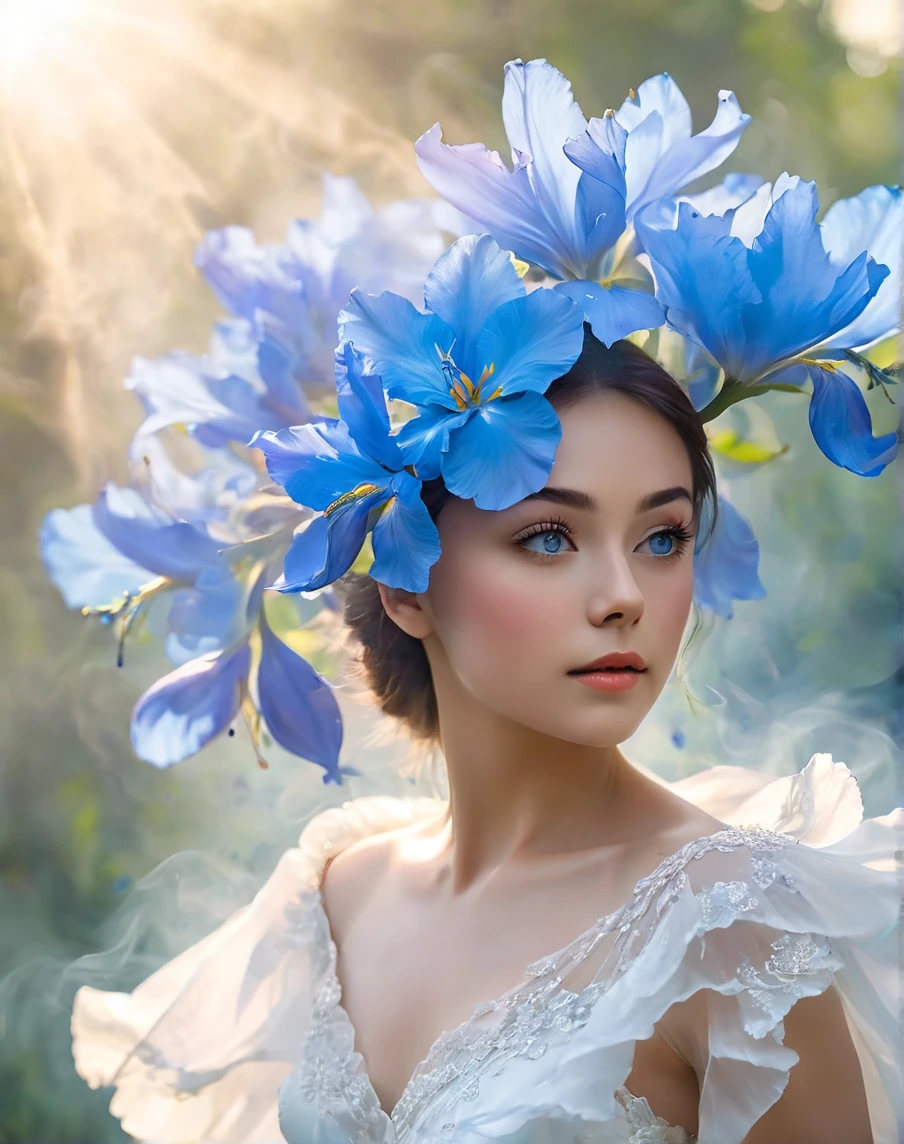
(715, 961)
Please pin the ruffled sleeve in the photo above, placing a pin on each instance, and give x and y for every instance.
(199, 1050)
(818, 905)
(750, 920)
(776, 923)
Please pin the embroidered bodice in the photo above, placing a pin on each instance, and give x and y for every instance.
(543, 1014)
(752, 914)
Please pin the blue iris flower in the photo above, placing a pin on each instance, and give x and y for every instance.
(352, 471)
(726, 561)
(303, 283)
(247, 381)
(757, 289)
(186, 709)
(573, 186)
(134, 545)
(127, 554)
(476, 366)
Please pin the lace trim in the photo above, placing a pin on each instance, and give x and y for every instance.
(534, 1017)
(796, 957)
(331, 1071)
(645, 1126)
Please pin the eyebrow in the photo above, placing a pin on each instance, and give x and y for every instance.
(574, 498)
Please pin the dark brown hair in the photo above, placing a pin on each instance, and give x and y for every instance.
(394, 664)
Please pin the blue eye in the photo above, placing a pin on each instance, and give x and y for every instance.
(667, 542)
(662, 544)
(550, 543)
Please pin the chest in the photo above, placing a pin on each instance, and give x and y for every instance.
(405, 982)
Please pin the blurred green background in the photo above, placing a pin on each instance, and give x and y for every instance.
(126, 130)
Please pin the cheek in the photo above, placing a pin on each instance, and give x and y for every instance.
(667, 605)
(491, 614)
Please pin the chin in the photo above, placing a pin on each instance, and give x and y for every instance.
(598, 729)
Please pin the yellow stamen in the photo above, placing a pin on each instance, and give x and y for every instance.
(822, 363)
(356, 494)
(460, 402)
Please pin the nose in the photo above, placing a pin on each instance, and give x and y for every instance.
(615, 597)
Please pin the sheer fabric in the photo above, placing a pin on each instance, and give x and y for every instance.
(758, 915)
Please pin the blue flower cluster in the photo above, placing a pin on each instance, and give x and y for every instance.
(367, 312)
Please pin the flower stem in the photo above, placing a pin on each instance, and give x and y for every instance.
(734, 391)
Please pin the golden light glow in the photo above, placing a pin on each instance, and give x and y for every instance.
(127, 128)
(29, 30)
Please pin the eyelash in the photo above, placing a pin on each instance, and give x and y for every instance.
(555, 525)
(681, 535)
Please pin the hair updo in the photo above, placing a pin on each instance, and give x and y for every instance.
(393, 664)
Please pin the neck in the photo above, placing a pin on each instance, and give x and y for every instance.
(518, 797)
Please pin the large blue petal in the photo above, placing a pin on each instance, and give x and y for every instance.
(247, 277)
(230, 260)
(317, 463)
(726, 565)
(88, 570)
(530, 341)
(297, 704)
(540, 116)
(175, 549)
(327, 547)
(468, 283)
(246, 381)
(175, 390)
(362, 406)
(406, 543)
(504, 451)
(401, 344)
(278, 367)
(702, 376)
(658, 95)
(749, 217)
(614, 311)
(873, 221)
(806, 296)
(479, 184)
(425, 438)
(841, 424)
(190, 706)
(683, 158)
(600, 153)
(702, 280)
(204, 620)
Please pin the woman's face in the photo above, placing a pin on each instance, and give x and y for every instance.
(598, 562)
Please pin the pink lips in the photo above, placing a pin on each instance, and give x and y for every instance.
(618, 671)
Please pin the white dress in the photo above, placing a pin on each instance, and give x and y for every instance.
(243, 1038)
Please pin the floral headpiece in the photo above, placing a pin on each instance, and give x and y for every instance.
(475, 366)
(737, 290)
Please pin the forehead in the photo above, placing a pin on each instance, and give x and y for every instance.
(613, 444)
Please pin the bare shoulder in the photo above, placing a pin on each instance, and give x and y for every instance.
(688, 823)
(351, 877)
